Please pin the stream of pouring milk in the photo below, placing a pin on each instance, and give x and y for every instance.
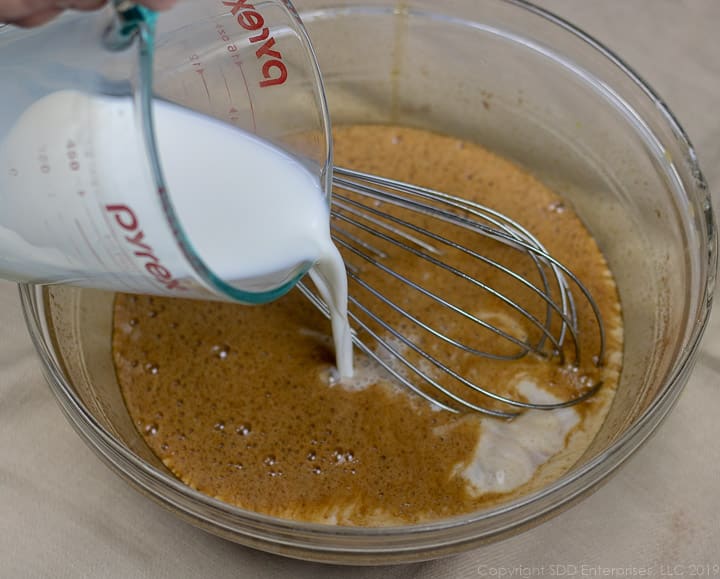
(250, 210)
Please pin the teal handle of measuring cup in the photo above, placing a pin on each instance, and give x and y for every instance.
(132, 23)
(129, 18)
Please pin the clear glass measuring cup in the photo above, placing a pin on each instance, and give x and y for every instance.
(88, 198)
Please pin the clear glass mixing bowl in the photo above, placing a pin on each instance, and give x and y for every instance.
(532, 88)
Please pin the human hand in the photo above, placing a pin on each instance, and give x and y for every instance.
(28, 13)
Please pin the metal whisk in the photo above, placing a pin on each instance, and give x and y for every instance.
(422, 243)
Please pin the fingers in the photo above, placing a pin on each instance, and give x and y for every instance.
(28, 13)
(12, 10)
(35, 19)
(158, 4)
(79, 4)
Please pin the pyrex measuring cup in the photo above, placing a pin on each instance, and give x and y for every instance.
(86, 194)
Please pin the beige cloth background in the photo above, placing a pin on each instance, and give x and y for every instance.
(63, 514)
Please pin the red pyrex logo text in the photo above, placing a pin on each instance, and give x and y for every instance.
(128, 221)
(274, 70)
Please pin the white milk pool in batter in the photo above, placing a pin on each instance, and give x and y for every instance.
(80, 204)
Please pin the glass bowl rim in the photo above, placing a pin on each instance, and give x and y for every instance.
(588, 475)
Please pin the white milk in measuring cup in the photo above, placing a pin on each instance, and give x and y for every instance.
(79, 204)
(197, 207)
(78, 198)
(87, 197)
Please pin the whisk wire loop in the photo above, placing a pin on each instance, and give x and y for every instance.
(371, 215)
(543, 327)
